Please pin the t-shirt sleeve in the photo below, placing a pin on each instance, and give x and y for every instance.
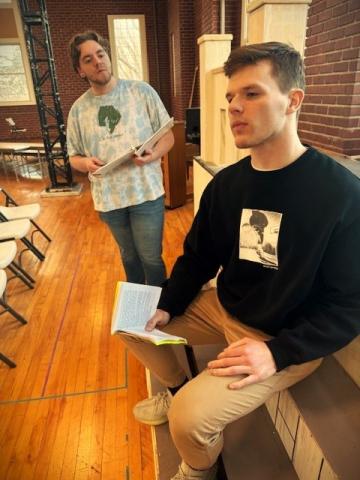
(155, 107)
(73, 134)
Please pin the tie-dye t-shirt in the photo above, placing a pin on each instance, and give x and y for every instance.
(104, 126)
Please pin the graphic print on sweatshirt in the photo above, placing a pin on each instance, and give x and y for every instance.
(259, 235)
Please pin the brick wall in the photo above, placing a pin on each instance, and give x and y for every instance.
(330, 116)
(69, 17)
(187, 19)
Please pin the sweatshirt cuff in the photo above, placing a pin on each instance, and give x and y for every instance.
(281, 356)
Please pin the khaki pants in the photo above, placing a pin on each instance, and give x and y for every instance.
(204, 406)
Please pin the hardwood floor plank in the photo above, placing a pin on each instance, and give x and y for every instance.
(16, 415)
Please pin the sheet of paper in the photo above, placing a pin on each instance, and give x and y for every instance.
(124, 157)
(150, 142)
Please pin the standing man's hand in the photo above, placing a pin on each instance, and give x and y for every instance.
(244, 357)
(92, 164)
(146, 157)
(159, 319)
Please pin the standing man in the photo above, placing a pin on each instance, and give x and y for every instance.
(105, 121)
(279, 311)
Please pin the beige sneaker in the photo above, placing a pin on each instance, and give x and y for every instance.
(187, 473)
(153, 410)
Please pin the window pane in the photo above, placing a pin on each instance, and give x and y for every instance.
(13, 85)
(13, 88)
(128, 48)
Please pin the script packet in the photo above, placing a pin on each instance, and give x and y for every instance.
(138, 151)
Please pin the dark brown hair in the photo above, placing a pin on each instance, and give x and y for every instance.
(80, 38)
(287, 64)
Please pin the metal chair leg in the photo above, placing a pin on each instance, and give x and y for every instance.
(13, 312)
(194, 369)
(22, 271)
(19, 275)
(39, 229)
(33, 249)
(7, 360)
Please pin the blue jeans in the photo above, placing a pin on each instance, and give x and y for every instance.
(138, 231)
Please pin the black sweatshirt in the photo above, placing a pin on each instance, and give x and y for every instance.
(287, 243)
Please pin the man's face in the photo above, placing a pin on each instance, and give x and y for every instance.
(94, 63)
(258, 110)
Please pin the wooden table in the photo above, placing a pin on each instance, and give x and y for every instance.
(14, 153)
(12, 147)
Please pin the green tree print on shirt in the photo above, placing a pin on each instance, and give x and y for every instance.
(109, 117)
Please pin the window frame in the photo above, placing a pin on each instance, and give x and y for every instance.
(20, 41)
(143, 43)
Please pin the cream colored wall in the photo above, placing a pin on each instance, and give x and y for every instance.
(213, 51)
(272, 21)
(223, 150)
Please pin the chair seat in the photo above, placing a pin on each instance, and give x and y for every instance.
(3, 280)
(7, 253)
(14, 229)
(30, 211)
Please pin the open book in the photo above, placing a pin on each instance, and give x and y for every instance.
(134, 306)
(138, 151)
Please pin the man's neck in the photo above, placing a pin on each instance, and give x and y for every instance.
(97, 89)
(277, 154)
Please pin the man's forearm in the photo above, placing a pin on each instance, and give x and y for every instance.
(79, 163)
(165, 144)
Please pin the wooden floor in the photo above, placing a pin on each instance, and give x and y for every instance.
(65, 410)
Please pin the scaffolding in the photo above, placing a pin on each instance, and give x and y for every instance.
(39, 47)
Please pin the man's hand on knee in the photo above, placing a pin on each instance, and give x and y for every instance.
(159, 319)
(244, 357)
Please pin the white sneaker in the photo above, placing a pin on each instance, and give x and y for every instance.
(187, 473)
(153, 410)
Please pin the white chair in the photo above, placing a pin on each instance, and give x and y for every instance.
(17, 230)
(7, 260)
(7, 308)
(30, 211)
(13, 211)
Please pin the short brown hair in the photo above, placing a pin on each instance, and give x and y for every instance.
(287, 64)
(80, 38)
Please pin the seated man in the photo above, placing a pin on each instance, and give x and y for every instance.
(288, 292)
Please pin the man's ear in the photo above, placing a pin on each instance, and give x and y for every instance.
(296, 97)
(82, 74)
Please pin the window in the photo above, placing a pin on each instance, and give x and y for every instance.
(15, 77)
(128, 46)
(13, 85)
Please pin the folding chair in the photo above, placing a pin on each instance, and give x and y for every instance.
(17, 230)
(7, 308)
(13, 211)
(7, 260)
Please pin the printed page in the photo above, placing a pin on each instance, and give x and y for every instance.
(134, 306)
